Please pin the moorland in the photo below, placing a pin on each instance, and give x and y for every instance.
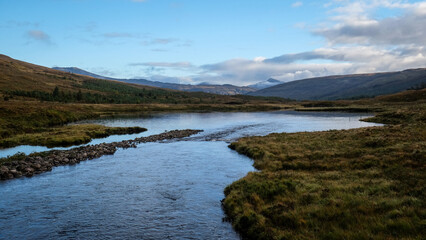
(365, 183)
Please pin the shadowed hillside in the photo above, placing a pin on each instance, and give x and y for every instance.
(347, 86)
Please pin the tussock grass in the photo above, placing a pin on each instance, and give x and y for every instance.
(366, 183)
(67, 135)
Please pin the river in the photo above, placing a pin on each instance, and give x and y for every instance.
(167, 190)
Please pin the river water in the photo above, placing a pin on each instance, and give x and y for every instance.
(167, 190)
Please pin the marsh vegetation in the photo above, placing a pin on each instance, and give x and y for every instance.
(366, 183)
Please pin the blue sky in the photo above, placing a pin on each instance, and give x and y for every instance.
(238, 42)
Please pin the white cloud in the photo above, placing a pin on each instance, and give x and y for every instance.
(297, 4)
(167, 79)
(420, 8)
(356, 28)
(39, 35)
(164, 64)
(259, 59)
(356, 42)
(343, 60)
(166, 42)
(118, 35)
(163, 40)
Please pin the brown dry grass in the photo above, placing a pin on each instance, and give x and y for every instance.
(366, 183)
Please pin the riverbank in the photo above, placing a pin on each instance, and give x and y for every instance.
(366, 183)
(23, 165)
(67, 135)
(25, 121)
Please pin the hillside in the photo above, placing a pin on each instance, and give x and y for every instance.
(226, 89)
(17, 75)
(18, 78)
(347, 86)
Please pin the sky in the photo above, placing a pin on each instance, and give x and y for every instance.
(238, 42)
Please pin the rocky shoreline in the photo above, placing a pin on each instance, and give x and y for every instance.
(32, 165)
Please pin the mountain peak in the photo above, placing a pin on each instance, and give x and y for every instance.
(265, 84)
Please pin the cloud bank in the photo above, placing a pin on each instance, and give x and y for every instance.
(164, 64)
(356, 42)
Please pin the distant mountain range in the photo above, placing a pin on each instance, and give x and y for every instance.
(347, 86)
(23, 80)
(226, 89)
(320, 88)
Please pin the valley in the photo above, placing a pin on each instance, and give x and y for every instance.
(316, 178)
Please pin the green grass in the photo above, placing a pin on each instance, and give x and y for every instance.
(366, 183)
(67, 135)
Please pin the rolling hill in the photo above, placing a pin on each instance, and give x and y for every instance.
(347, 86)
(226, 89)
(18, 78)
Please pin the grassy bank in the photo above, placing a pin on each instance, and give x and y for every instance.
(366, 183)
(67, 135)
(29, 121)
